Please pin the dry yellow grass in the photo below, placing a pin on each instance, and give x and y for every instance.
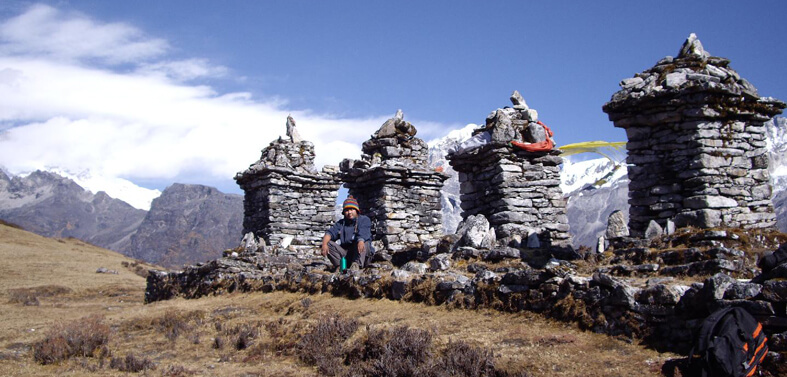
(180, 336)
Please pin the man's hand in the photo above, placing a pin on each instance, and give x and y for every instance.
(361, 246)
(324, 249)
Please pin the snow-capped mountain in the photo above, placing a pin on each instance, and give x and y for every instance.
(118, 188)
(438, 148)
(777, 153)
(595, 173)
(777, 149)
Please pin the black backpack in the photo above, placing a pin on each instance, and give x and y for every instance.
(770, 261)
(730, 343)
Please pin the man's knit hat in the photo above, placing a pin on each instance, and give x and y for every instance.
(350, 202)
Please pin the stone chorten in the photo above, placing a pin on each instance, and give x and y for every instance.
(395, 187)
(516, 189)
(696, 143)
(286, 199)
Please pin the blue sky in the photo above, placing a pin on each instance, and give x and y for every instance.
(158, 92)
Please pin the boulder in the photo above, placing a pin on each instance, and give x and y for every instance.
(534, 133)
(475, 231)
(616, 225)
(501, 253)
(654, 230)
(704, 218)
(415, 267)
(440, 262)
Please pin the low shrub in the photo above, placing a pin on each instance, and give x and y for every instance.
(321, 346)
(397, 351)
(284, 335)
(421, 290)
(177, 371)
(22, 296)
(136, 268)
(461, 359)
(30, 296)
(243, 335)
(140, 269)
(174, 323)
(400, 351)
(85, 337)
(132, 364)
(553, 340)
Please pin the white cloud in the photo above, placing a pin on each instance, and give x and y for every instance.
(46, 31)
(145, 127)
(184, 70)
(138, 125)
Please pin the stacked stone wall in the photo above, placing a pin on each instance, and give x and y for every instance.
(279, 204)
(395, 187)
(518, 192)
(516, 189)
(657, 296)
(692, 172)
(403, 204)
(696, 144)
(285, 199)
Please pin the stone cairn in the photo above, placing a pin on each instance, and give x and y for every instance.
(395, 187)
(518, 191)
(696, 143)
(287, 202)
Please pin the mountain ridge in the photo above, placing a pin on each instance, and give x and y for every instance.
(54, 206)
(200, 222)
(186, 223)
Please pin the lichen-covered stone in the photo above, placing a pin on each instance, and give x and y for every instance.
(696, 127)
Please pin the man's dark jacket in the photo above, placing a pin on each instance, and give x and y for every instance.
(350, 231)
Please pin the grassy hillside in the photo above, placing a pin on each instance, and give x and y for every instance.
(50, 292)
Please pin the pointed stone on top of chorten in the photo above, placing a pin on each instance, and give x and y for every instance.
(693, 47)
(295, 137)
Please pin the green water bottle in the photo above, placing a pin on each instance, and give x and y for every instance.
(344, 263)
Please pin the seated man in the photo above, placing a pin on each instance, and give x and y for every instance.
(354, 233)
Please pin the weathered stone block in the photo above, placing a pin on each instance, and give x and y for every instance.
(775, 290)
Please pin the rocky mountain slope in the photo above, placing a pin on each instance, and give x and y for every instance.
(452, 213)
(185, 225)
(188, 224)
(50, 205)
